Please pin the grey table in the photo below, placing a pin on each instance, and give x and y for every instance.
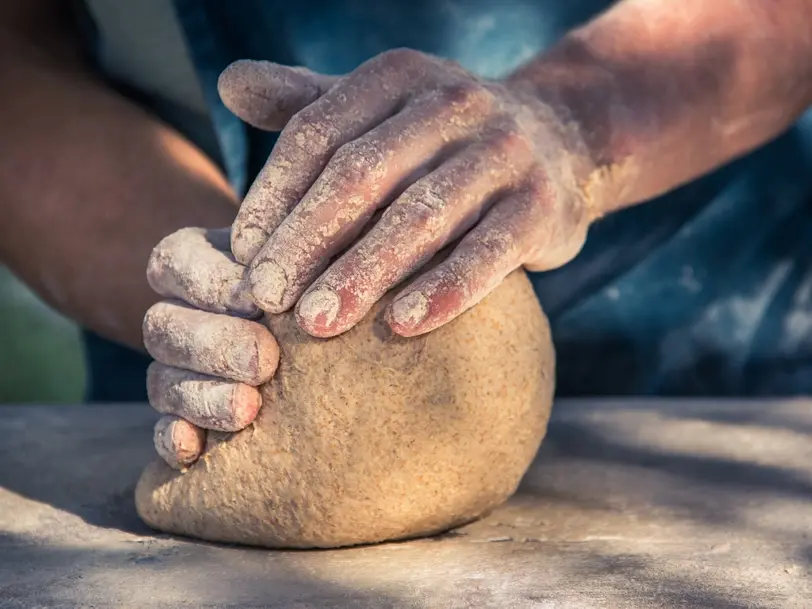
(629, 504)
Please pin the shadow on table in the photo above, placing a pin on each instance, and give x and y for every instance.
(189, 575)
(778, 418)
(215, 576)
(80, 460)
(108, 448)
(731, 478)
(703, 474)
(638, 580)
(603, 472)
(586, 463)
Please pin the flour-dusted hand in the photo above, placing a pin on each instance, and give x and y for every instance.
(210, 354)
(373, 174)
(446, 156)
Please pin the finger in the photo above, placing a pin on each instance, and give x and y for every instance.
(485, 256)
(205, 401)
(362, 176)
(178, 442)
(191, 266)
(356, 104)
(266, 95)
(218, 345)
(428, 215)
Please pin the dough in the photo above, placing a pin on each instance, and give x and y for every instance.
(370, 437)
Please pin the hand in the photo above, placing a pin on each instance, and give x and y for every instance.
(210, 355)
(444, 155)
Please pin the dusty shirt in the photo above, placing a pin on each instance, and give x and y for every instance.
(705, 291)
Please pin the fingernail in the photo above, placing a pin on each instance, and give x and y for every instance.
(268, 283)
(410, 310)
(320, 307)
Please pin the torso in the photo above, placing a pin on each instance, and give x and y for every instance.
(704, 291)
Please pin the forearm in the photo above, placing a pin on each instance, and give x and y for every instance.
(662, 93)
(88, 186)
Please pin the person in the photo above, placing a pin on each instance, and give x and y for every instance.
(504, 133)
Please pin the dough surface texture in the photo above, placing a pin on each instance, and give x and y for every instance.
(370, 437)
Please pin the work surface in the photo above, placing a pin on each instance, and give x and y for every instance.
(629, 504)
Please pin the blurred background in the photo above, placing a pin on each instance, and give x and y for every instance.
(41, 357)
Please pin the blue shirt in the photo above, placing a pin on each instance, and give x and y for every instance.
(705, 291)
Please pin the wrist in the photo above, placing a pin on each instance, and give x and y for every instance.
(586, 100)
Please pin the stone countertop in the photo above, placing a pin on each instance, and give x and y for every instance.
(630, 503)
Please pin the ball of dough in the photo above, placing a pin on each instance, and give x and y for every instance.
(370, 437)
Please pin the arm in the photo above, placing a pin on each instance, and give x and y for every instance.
(409, 154)
(665, 92)
(645, 97)
(89, 183)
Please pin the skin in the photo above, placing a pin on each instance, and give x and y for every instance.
(373, 174)
(409, 154)
(89, 182)
(624, 109)
(210, 356)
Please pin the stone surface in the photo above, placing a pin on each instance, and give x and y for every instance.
(629, 504)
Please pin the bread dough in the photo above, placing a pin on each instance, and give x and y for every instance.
(370, 437)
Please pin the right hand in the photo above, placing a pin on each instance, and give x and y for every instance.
(210, 353)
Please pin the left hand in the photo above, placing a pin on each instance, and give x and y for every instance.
(210, 353)
(443, 154)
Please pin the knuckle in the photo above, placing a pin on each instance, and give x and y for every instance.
(156, 372)
(491, 242)
(159, 376)
(498, 243)
(292, 248)
(513, 141)
(175, 256)
(400, 59)
(467, 95)
(156, 313)
(422, 208)
(357, 162)
(310, 131)
(162, 253)
(156, 267)
(179, 237)
(426, 196)
(153, 327)
(162, 318)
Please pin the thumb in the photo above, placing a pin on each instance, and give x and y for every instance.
(266, 95)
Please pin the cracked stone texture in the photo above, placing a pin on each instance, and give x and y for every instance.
(630, 503)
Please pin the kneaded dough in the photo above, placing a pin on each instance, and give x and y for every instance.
(370, 437)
